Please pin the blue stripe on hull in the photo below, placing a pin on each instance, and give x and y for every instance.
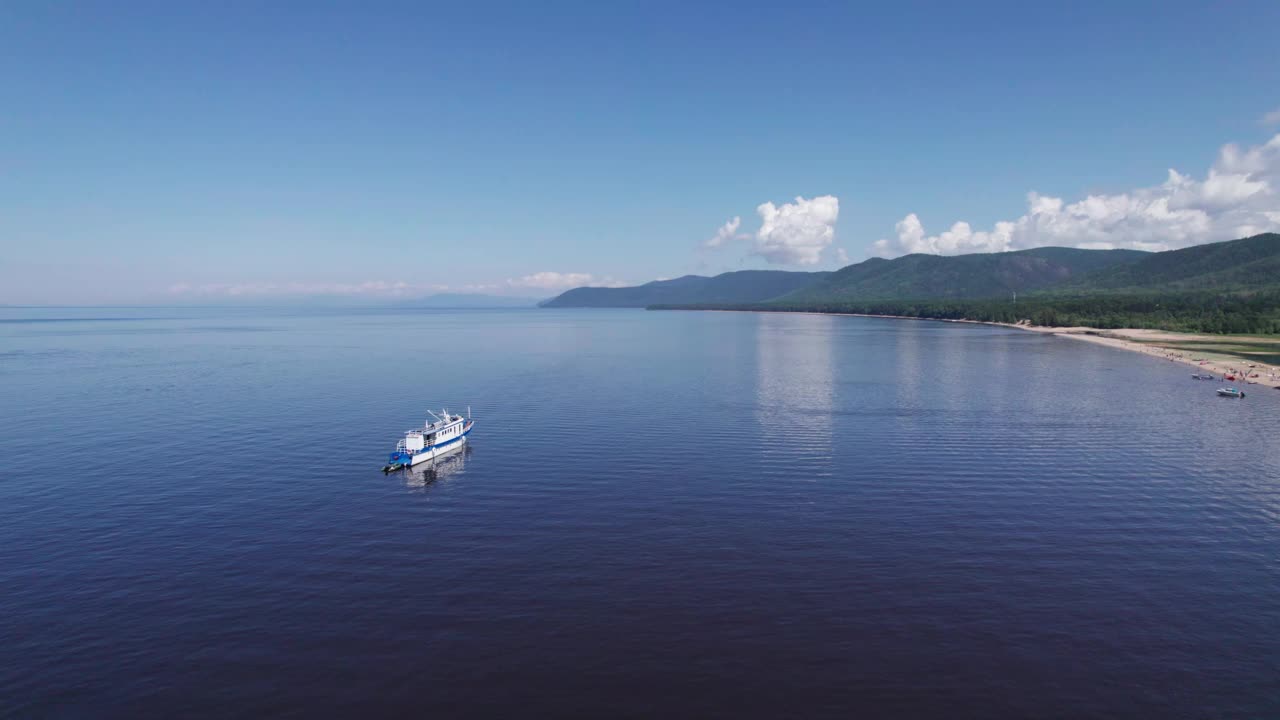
(397, 456)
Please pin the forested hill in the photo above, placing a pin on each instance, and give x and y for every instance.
(980, 275)
(909, 277)
(742, 286)
(1231, 286)
(1227, 287)
(1251, 263)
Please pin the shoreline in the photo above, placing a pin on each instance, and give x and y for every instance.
(1148, 342)
(1124, 339)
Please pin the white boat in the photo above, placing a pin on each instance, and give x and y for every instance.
(1201, 376)
(1230, 392)
(441, 434)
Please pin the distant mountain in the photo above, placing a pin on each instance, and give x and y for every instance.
(1231, 286)
(1225, 287)
(467, 300)
(1250, 263)
(979, 275)
(742, 286)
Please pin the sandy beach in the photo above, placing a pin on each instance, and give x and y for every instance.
(1149, 342)
(1152, 342)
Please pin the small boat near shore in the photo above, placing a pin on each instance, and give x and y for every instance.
(1230, 392)
(443, 433)
(1201, 376)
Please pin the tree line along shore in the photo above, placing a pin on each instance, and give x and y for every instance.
(1230, 287)
(1256, 313)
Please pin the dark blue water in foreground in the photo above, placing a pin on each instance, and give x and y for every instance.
(660, 515)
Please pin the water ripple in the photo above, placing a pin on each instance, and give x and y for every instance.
(675, 514)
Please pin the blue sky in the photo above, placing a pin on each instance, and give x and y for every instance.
(154, 152)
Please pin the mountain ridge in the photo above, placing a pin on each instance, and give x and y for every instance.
(738, 286)
(1226, 287)
(921, 276)
(1244, 263)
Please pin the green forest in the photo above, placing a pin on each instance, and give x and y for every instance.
(1228, 287)
(1253, 313)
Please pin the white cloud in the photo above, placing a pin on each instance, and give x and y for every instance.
(727, 232)
(1271, 118)
(797, 233)
(842, 257)
(1236, 199)
(562, 281)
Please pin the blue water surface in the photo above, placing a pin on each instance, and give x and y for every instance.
(660, 514)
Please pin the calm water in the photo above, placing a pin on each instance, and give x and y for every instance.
(660, 514)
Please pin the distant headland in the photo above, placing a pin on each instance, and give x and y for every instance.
(1224, 287)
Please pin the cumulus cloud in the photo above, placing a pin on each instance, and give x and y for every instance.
(796, 233)
(842, 257)
(562, 281)
(727, 232)
(1236, 198)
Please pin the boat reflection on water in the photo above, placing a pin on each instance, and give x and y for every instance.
(437, 469)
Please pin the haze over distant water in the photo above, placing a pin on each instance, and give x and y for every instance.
(467, 300)
(331, 302)
(660, 515)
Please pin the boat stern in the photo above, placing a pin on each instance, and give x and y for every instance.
(397, 460)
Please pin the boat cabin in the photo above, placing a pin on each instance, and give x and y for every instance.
(445, 428)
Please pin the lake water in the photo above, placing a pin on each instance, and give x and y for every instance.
(659, 515)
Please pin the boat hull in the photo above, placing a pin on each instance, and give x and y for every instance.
(438, 450)
(402, 459)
